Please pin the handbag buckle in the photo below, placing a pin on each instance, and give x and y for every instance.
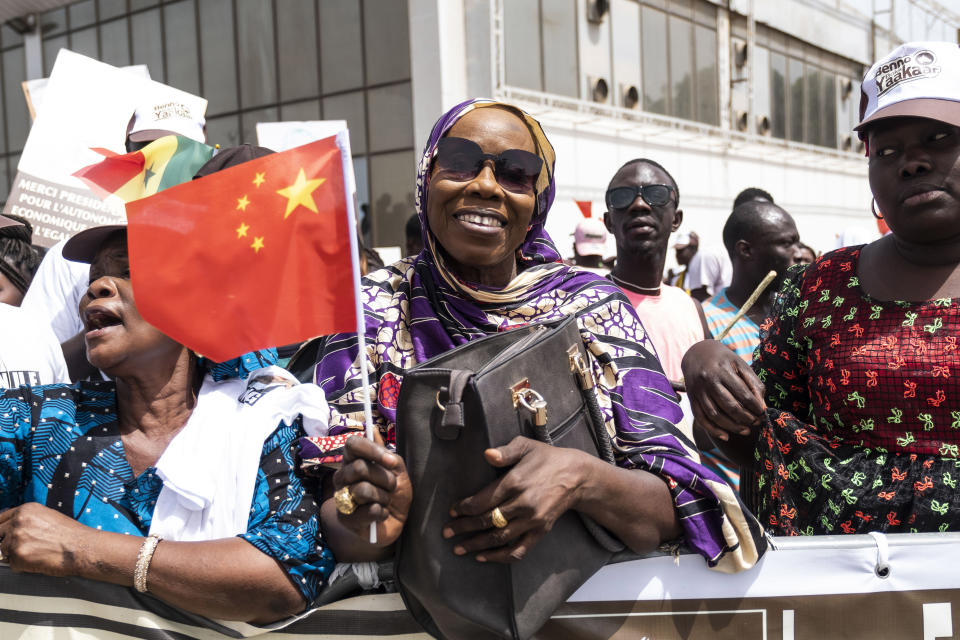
(534, 403)
(579, 366)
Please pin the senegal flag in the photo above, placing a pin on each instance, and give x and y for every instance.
(164, 163)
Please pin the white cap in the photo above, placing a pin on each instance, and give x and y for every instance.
(160, 118)
(919, 79)
(590, 237)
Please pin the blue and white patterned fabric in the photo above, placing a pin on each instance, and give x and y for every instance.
(60, 446)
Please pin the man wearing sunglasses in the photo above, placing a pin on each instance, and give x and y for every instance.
(642, 211)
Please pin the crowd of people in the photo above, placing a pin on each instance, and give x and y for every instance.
(815, 400)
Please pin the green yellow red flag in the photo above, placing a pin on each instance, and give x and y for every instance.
(253, 256)
(163, 163)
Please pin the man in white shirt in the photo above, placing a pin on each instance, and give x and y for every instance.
(710, 270)
(55, 292)
(29, 352)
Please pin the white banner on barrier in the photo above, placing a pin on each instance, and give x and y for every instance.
(823, 588)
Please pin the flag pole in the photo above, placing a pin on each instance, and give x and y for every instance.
(343, 142)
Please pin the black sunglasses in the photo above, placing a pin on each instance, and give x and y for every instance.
(655, 195)
(460, 160)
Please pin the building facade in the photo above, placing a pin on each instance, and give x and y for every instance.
(726, 94)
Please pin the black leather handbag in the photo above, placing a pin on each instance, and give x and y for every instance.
(532, 381)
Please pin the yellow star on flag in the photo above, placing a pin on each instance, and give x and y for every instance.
(299, 193)
(259, 179)
(242, 203)
(242, 230)
(257, 244)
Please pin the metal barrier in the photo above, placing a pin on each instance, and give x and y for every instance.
(867, 586)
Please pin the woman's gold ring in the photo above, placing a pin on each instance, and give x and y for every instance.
(344, 500)
(498, 519)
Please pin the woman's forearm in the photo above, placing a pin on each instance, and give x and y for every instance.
(634, 505)
(227, 579)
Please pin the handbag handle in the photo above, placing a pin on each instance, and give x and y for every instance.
(452, 422)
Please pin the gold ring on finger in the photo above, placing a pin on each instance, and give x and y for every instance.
(497, 518)
(344, 500)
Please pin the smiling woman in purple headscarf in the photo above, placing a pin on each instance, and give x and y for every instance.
(484, 187)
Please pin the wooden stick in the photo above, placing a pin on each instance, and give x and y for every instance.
(752, 300)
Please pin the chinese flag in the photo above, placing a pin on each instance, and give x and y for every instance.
(254, 256)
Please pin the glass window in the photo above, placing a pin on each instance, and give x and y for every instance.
(297, 45)
(360, 175)
(778, 95)
(4, 180)
(349, 107)
(680, 7)
(3, 131)
(51, 47)
(85, 42)
(256, 52)
(180, 32)
(115, 43)
(829, 118)
(761, 83)
(654, 44)
(521, 35)
(341, 51)
(391, 195)
(560, 73)
(224, 131)
(386, 36)
(812, 114)
(708, 97)
(251, 118)
(142, 4)
(15, 107)
(625, 36)
(681, 67)
(217, 55)
(112, 8)
(147, 45)
(53, 22)
(9, 38)
(82, 14)
(795, 110)
(705, 13)
(305, 111)
(391, 117)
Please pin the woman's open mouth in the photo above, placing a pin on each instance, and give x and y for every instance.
(481, 222)
(99, 321)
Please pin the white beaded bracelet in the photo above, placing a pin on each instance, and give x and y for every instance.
(143, 562)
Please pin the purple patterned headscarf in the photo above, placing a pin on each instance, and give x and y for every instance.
(416, 309)
(537, 247)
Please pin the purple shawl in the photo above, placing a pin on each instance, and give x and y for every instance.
(416, 309)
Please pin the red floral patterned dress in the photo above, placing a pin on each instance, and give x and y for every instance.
(864, 421)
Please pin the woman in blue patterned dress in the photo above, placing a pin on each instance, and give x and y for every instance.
(94, 474)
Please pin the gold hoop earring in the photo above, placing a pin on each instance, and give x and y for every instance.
(873, 209)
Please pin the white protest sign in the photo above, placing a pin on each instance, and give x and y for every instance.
(86, 105)
(35, 90)
(281, 136)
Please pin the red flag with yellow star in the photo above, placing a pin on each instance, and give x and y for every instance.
(254, 256)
